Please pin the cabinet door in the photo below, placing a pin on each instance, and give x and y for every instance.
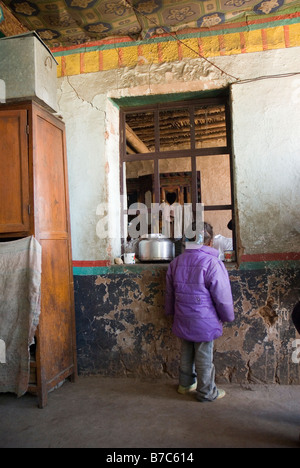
(14, 176)
(52, 229)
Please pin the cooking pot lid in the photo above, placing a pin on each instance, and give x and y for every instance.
(154, 236)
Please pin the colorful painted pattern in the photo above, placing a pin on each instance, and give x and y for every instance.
(9, 25)
(71, 22)
(173, 16)
(257, 36)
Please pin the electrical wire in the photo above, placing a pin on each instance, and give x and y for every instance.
(267, 77)
(174, 36)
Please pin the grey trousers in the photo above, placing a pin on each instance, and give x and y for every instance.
(196, 363)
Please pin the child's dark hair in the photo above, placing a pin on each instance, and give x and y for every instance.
(205, 233)
(296, 317)
(208, 233)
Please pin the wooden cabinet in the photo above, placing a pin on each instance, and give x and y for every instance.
(14, 182)
(34, 201)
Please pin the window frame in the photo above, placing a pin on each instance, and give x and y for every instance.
(191, 153)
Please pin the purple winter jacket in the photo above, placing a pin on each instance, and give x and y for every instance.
(198, 294)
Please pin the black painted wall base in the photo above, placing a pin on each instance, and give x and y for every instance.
(122, 328)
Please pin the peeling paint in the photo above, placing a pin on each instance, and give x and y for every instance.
(268, 313)
(122, 328)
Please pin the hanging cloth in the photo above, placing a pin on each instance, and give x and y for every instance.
(20, 293)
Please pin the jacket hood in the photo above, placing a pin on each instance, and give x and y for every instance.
(198, 294)
(203, 248)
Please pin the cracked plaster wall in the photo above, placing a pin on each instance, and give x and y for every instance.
(266, 144)
(121, 328)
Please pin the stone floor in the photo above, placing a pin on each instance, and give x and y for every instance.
(113, 413)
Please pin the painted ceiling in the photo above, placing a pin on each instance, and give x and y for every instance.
(64, 23)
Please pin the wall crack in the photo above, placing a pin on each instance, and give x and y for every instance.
(84, 100)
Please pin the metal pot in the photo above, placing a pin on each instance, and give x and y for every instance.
(156, 248)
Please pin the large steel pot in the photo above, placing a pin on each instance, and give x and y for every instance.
(156, 248)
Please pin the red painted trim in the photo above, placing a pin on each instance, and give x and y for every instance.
(81, 63)
(271, 257)
(264, 38)
(120, 57)
(267, 257)
(180, 54)
(160, 53)
(243, 43)
(222, 44)
(200, 46)
(286, 36)
(100, 60)
(63, 66)
(91, 263)
(140, 54)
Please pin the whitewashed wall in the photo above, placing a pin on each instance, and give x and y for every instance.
(266, 122)
(266, 129)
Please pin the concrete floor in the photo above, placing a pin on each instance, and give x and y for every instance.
(99, 412)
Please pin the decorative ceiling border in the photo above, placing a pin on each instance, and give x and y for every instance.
(256, 36)
(64, 23)
(9, 25)
(238, 26)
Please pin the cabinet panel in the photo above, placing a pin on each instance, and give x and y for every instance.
(50, 198)
(33, 170)
(56, 320)
(14, 177)
(56, 348)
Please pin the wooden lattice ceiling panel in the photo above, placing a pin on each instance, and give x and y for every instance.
(175, 128)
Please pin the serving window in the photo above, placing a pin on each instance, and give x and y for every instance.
(178, 154)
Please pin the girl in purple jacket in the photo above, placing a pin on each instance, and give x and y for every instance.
(198, 295)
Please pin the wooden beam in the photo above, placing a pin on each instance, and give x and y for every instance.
(135, 141)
